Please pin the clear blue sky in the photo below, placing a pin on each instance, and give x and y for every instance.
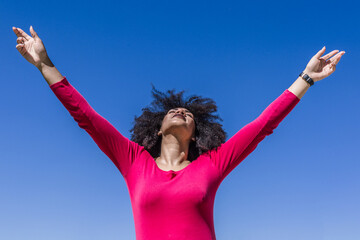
(302, 182)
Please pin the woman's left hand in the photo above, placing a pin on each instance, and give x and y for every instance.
(320, 67)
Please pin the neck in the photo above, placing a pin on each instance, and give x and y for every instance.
(174, 151)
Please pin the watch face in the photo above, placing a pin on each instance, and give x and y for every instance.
(307, 78)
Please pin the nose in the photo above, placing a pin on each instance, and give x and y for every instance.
(180, 111)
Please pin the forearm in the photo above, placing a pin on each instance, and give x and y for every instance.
(299, 87)
(50, 72)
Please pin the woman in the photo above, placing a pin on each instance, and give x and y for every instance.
(177, 156)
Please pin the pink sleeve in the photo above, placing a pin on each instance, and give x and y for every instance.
(118, 148)
(237, 148)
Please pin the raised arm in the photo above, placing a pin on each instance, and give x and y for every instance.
(238, 147)
(118, 148)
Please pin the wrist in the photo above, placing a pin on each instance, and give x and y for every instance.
(309, 73)
(314, 76)
(44, 64)
(307, 78)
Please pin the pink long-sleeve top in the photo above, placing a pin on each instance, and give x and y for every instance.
(172, 204)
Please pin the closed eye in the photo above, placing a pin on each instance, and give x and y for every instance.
(171, 111)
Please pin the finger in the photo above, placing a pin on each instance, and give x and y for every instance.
(16, 31)
(20, 33)
(21, 48)
(319, 53)
(20, 40)
(332, 68)
(33, 33)
(329, 55)
(337, 58)
(20, 45)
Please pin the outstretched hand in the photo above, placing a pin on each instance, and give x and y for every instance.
(31, 48)
(320, 67)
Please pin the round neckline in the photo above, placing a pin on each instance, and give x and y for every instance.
(170, 171)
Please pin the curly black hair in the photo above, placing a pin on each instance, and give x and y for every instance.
(209, 133)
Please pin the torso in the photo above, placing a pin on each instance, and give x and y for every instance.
(182, 199)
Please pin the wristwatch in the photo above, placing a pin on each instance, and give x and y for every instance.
(307, 78)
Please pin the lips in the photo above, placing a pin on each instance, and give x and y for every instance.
(179, 115)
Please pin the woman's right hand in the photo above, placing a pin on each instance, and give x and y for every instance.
(31, 48)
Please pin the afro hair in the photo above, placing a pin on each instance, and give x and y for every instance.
(209, 133)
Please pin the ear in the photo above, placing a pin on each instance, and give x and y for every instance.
(159, 133)
(193, 138)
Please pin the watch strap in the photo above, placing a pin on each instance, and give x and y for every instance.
(307, 78)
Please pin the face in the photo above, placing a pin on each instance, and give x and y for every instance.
(179, 121)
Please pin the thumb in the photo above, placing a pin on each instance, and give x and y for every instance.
(33, 33)
(320, 53)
